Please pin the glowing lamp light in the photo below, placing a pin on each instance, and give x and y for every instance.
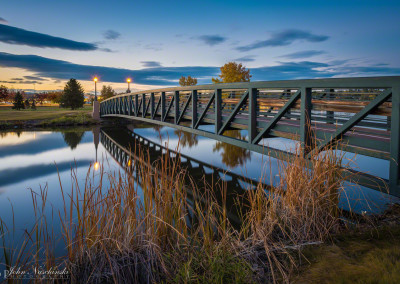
(128, 80)
(96, 166)
(95, 79)
(129, 163)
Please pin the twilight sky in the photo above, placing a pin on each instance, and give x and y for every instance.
(44, 43)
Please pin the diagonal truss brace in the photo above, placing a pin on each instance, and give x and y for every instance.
(205, 111)
(234, 112)
(277, 117)
(380, 99)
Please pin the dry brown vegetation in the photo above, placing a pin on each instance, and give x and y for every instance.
(144, 228)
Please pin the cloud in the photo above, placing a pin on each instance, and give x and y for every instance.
(168, 76)
(303, 54)
(248, 58)
(34, 78)
(283, 38)
(150, 64)
(63, 70)
(2, 20)
(20, 82)
(212, 40)
(153, 46)
(13, 35)
(110, 34)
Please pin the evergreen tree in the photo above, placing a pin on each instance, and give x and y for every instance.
(4, 93)
(33, 105)
(27, 104)
(73, 96)
(18, 101)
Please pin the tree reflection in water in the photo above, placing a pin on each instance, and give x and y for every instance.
(232, 156)
(73, 138)
(186, 138)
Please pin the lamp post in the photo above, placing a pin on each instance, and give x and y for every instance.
(95, 88)
(129, 83)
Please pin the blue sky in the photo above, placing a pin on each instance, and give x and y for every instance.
(155, 42)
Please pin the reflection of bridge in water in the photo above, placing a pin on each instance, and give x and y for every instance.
(121, 145)
(362, 114)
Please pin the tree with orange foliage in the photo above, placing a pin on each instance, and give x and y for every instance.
(233, 72)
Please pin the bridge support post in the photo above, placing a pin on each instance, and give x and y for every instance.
(130, 105)
(176, 103)
(143, 105)
(152, 105)
(287, 94)
(330, 117)
(305, 120)
(96, 110)
(394, 174)
(162, 106)
(194, 108)
(136, 105)
(218, 106)
(252, 128)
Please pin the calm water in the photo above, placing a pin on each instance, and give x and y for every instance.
(31, 160)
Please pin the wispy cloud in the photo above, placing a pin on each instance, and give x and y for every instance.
(20, 82)
(111, 34)
(35, 78)
(283, 38)
(2, 20)
(13, 35)
(153, 46)
(303, 54)
(167, 76)
(212, 40)
(151, 64)
(248, 58)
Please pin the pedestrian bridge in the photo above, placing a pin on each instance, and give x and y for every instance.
(361, 115)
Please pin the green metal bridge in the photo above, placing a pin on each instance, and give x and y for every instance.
(361, 114)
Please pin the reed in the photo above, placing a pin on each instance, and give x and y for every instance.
(141, 228)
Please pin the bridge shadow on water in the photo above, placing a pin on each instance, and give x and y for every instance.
(123, 145)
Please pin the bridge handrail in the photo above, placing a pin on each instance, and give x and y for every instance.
(355, 82)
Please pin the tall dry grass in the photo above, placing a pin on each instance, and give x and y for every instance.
(142, 229)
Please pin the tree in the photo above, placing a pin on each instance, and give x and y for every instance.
(3, 93)
(232, 156)
(189, 81)
(55, 97)
(73, 138)
(27, 104)
(40, 97)
(18, 101)
(107, 92)
(232, 72)
(73, 95)
(33, 105)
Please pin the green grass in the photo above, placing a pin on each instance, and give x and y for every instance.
(367, 257)
(7, 114)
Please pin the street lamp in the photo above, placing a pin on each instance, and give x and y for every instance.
(95, 88)
(129, 83)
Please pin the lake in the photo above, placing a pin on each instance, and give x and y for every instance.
(31, 161)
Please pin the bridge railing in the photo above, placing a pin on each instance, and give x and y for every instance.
(361, 113)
